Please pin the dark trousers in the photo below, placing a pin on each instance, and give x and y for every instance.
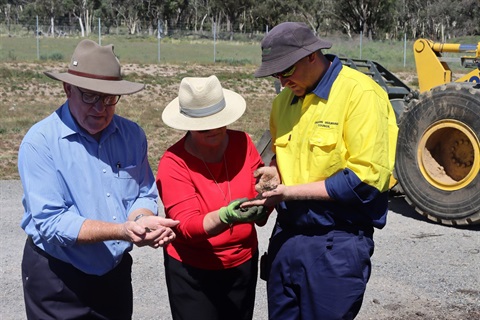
(318, 276)
(197, 294)
(54, 289)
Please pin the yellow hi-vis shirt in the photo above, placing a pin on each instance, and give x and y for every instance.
(352, 127)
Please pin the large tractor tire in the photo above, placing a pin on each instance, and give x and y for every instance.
(438, 154)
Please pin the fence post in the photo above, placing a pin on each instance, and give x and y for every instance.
(214, 41)
(159, 36)
(361, 39)
(99, 32)
(38, 40)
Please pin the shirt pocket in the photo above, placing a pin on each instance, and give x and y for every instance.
(130, 172)
(325, 153)
(127, 180)
(282, 142)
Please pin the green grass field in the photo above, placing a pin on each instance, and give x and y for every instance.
(394, 55)
(135, 50)
(147, 50)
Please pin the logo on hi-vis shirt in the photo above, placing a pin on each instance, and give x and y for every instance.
(326, 124)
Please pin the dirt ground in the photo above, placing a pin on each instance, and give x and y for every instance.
(421, 270)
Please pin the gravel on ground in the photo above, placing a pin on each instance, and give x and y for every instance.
(421, 270)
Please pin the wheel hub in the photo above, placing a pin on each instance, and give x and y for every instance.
(449, 155)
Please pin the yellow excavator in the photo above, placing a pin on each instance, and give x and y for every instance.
(438, 150)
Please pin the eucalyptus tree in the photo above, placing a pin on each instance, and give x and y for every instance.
(51, 9)
(408, 18)
(269, 13)
(201, 12)
(451, 18)
(174, 12)
(84, 11)
(468, 13)
(366, 16)
(6, 9)
(107, 12)
(152, 12)
(319, 14)
(129, 12)
(234, 12)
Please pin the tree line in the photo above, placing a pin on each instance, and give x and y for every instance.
(375, 19)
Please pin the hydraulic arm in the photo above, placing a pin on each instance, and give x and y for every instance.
(433, 69)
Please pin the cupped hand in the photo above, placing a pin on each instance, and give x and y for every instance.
(268, 179)
(153, 231)
(268, 198)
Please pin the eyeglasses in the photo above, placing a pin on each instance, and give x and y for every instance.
(92, 98)
(285, 73)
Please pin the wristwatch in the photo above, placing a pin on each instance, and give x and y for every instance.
(138, 217)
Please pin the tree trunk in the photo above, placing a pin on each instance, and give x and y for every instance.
(52, 26)
(80, 22)
(87, 22)
(133, 27)
(203, 21)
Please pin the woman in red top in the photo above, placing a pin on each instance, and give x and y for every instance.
(211, 268)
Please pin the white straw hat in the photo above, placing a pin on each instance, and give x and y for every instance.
(202, 104)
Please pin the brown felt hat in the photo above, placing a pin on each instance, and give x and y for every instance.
(286, 44)
(96, 68)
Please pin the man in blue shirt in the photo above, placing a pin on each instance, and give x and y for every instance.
(334, 135)
(89, 195)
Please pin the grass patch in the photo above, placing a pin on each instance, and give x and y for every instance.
(56, 56)
(27, 96)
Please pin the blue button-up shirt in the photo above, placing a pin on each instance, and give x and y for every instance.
(68, 177)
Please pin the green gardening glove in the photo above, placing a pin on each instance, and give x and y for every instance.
(233, 213)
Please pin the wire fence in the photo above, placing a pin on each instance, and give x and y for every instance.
(148, 43)
(158, 42)
(140, 29)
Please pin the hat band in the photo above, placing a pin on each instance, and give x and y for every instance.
(93, 76)
(203, 112)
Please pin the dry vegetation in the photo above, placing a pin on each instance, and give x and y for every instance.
(27, 96)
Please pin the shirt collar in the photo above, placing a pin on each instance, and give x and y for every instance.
(71, 127)
(322, 90)
(325, 85)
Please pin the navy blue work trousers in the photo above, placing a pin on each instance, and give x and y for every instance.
(54, 289)
(319, 276)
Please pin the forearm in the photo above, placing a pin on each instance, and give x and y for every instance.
(307, 191)
(96, 231)
(212, 224)
(273, 191)
(142, 228)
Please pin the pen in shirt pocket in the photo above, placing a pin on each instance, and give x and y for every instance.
(119, 165)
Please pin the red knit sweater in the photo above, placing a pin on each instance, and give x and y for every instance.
(188, 193)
